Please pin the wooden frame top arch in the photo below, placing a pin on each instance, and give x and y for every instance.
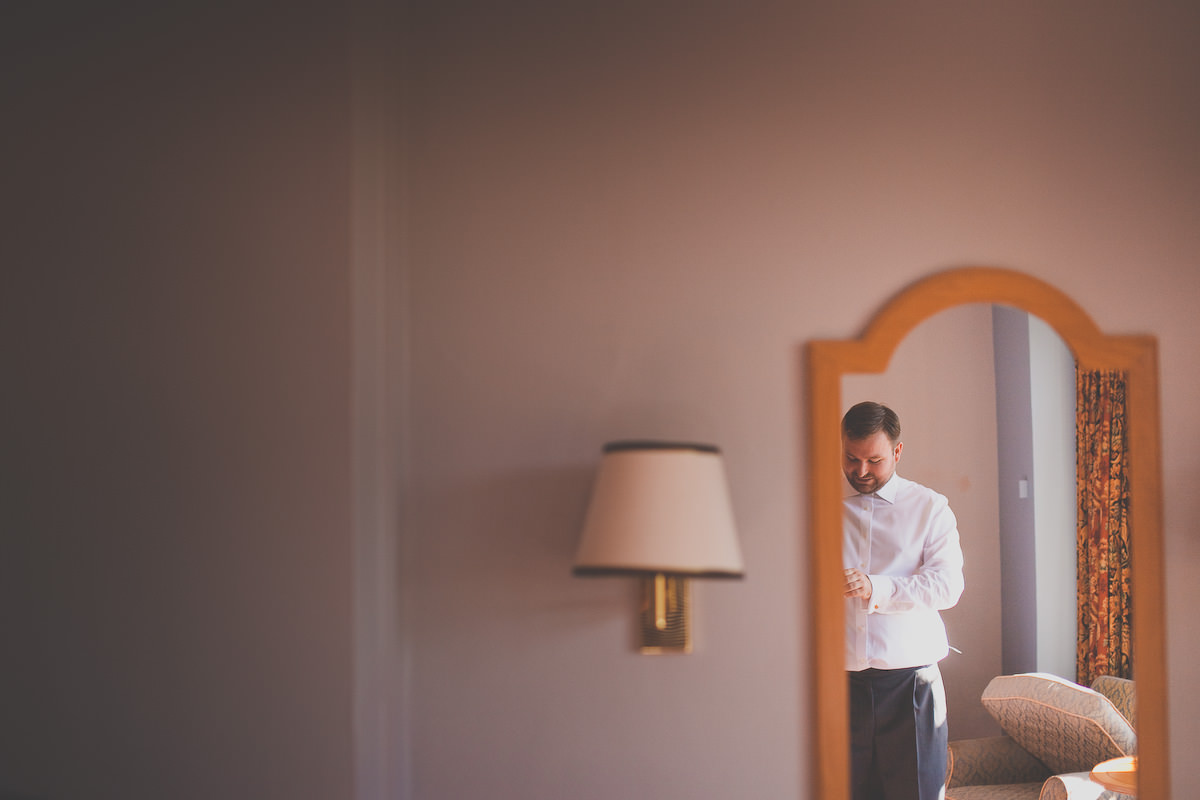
(827, 361)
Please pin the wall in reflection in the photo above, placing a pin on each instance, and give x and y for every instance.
(985, 397)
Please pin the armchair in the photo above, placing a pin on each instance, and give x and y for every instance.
(1055, 731)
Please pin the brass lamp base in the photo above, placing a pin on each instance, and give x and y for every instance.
(665, 622)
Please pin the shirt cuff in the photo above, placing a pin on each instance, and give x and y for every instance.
(881, 593)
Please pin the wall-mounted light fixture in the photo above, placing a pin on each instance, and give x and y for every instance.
(661, 511)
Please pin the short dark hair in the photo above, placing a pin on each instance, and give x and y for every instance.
(866, 419)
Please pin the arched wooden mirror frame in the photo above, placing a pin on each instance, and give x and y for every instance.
(828, 361)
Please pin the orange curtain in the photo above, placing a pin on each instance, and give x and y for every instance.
(1105, 645)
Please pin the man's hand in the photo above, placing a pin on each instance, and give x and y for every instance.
(857, 584)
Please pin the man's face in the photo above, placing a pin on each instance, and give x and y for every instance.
(869, 463)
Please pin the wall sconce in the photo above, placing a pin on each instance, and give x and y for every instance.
(661, 511)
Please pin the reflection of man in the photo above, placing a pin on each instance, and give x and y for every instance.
(903, 564)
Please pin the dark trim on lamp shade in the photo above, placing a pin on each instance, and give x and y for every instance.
(651, 444)
(641, 572)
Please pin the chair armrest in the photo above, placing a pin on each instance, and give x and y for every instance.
(993, 760)
(1077, 786)
(1122, 694)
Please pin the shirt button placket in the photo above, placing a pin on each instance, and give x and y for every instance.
(866, 549)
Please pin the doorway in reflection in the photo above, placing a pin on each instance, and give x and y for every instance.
(986, 397)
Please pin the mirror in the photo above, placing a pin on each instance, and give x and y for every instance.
(827, 362)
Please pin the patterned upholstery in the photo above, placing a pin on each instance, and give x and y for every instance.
(1068, 727)
(1001, 768)
(1120, 691)
(1004, 791)
(993, 760)
(1077, 786)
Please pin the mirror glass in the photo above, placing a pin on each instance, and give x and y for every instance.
(962, 294)
(986, 397)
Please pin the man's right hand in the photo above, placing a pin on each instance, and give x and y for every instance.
(858, 584)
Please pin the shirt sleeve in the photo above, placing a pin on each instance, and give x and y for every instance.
(938, 581)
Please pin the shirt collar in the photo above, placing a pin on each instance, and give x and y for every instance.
(890, 489)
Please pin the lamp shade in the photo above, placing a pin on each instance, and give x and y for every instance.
(660, 507)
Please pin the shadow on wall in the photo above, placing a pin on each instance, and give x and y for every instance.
(502, 548)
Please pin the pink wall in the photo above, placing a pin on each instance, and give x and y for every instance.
(626, 222)
(621, 221)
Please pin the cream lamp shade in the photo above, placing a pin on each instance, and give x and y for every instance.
(660, 508)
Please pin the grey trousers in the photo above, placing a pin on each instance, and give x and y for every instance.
(898, 734)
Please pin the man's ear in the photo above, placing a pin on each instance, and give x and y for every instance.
(899, 447)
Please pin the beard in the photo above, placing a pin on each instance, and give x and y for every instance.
(867, 485)
(864, 485)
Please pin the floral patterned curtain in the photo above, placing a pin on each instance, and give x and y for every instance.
(1105, 644)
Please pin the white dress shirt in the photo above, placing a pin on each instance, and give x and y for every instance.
(905, 537)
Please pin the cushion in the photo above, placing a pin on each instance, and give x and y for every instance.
(1069, 727)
